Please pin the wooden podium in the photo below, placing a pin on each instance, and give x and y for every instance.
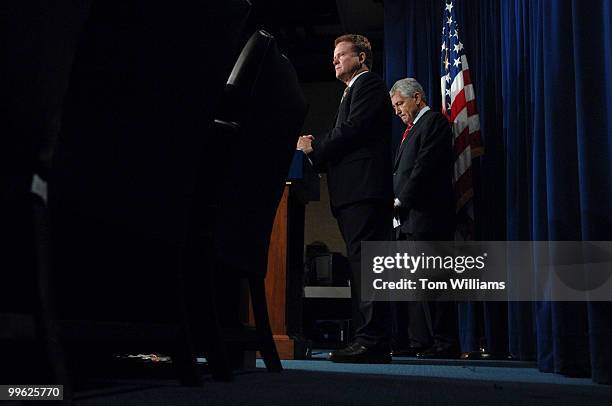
(284, 278)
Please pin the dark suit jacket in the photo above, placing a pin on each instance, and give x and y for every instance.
(356, 152)
(422, 176)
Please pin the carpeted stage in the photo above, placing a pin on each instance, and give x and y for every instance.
(407, 381)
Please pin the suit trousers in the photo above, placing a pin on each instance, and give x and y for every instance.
(442, 316)
(410, 325)
(367, 220)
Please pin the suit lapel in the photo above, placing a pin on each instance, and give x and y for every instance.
(398, 154)
(413, 133)
(343, 107)
(408, 139)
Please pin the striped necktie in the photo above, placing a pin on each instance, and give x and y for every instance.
(346, 89)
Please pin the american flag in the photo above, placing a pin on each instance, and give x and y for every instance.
(459, 106)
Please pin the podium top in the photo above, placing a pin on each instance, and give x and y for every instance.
(296, 170)
(301, 172)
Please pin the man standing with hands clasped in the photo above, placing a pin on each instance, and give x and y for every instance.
(356, 155)
(424, 211)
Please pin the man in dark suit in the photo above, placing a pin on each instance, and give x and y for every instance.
(424, 204)
(356, 155)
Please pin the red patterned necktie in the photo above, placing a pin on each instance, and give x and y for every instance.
(406, 132)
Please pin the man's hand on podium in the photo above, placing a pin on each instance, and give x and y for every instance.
(305, 143)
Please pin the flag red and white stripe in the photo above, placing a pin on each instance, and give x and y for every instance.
(459, 105)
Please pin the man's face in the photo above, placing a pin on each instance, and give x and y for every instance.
(346, 60)
(406, 108)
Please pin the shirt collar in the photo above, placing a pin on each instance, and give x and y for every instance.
(423, 111)
(355, 78)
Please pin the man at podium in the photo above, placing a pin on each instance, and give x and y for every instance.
(356, 155)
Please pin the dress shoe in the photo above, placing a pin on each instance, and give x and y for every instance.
(471, 355)
(494, 356)
(483, 355)
(439, 352)
(356, 353)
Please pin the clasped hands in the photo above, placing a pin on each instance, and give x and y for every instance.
(305, 143)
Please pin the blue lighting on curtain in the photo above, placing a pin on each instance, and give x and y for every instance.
(542, 71)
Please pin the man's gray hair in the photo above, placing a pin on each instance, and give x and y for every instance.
(407, 88)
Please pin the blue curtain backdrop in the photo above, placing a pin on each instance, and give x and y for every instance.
(542, 71)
